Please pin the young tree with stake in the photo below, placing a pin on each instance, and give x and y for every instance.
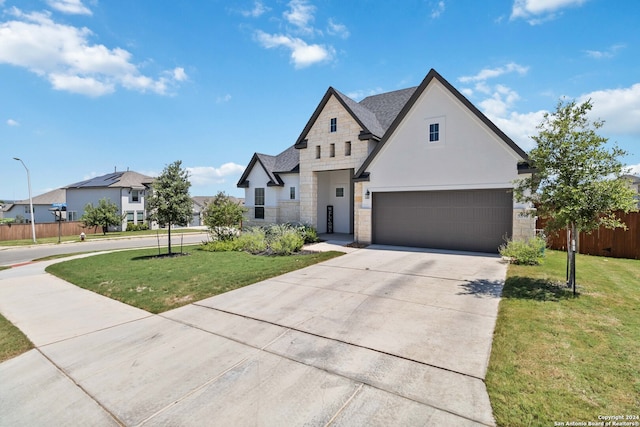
(577, 182)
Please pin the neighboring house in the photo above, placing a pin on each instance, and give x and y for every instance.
(42, 207)
(634, 184)
(126, 189)
(199, 205)
(414, 167)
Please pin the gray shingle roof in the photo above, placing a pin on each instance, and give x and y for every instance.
(59, 195)
(287, 161)
(126, 179)
(387, 106)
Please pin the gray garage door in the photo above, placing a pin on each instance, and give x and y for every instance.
(469, 220)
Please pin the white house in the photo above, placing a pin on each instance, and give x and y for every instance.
(42, 205)
(415, 167)
(126, 189)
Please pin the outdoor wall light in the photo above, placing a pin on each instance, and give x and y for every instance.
(367, 194)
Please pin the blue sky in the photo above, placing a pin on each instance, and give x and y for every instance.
(88, 86)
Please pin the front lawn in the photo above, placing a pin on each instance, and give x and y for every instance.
(12, 340)
(155, 284)
(559, 358)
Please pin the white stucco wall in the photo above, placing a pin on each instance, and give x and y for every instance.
(468, 156)
(278, 206)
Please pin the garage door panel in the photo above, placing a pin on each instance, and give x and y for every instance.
(474, 220)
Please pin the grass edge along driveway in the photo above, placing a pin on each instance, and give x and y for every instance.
(158, 284)
(556, 358)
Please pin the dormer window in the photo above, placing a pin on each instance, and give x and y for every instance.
(333, 126)
(135, 196)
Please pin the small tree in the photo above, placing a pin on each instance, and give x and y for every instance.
(104, 215)
(223, 216)
(577, 183)
(169, 202)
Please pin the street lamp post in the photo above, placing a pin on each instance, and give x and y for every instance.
(33, 224)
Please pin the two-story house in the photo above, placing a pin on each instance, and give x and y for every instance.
(126, 189)
(415, 167)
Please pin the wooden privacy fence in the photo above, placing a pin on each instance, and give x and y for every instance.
(23, 231)
(617, 243)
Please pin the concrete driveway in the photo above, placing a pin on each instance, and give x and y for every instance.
(380, 336)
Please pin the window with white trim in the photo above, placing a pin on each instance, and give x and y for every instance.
(292, 193)
(258, 201)
(434, 132)
(333, 125)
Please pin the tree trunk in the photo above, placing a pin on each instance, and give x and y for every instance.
(568, 253)
(572, 264)
(169, 244)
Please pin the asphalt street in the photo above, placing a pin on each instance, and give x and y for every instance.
(11, 255)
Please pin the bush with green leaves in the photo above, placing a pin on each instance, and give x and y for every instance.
(285, 241)
(308, 233)
(253, 240)
(223, 216)
(524, 252)
(137, 227)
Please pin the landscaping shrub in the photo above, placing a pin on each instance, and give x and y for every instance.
(276, 239)
(137, 227)
(252, 240)
(286, 242)
(524, 252)
(222, 246)
(308, 233)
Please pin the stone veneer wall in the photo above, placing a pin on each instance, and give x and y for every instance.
(270, 217)
(319, 135)
(288, 211)
(362, 217)
(524, 224)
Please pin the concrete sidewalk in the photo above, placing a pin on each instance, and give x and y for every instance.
(380, 336)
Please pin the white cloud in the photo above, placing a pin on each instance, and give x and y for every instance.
(11, 122)
(499, 103)
(438, 10)
(258, 10)
(489, 73)
(335, 29)
(72, 7)
(619, 108)
(634, 169)
(539, 11)
(361, 94)
(302, 54)
(605, 54)
(203, 175)
(300, 14)
(64, 55)
(223, 99)
(179, 74)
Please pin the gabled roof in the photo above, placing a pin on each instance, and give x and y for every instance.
(285, 162)
(59, 195)
(374, 114)
(126, 179)
(415, 94)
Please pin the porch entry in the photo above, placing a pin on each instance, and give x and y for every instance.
(335, 189)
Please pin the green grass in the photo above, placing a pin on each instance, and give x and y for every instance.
(154, 284)
(99, 236)
(559, 358)
(12, 340)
